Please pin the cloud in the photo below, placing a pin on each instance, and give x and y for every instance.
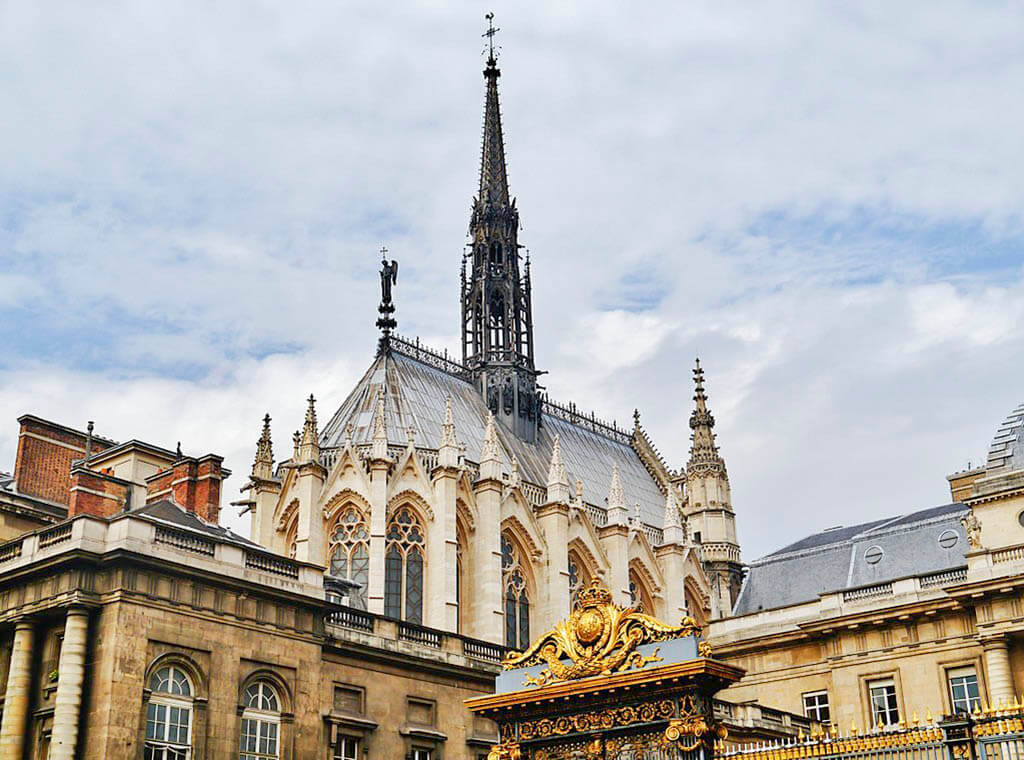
(818, 200)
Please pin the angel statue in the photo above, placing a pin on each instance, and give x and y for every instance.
(388, 277)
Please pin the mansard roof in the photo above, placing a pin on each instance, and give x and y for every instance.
(417, 383)
(844, 558)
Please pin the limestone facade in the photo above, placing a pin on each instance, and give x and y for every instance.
(942, 632)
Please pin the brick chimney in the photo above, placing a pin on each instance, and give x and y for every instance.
(46, 451)
(191, 483)
(97, 493)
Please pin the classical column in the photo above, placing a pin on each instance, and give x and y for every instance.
(997, 663)
(70, 675)
(19, 682)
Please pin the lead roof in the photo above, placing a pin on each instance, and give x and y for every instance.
(415, 396)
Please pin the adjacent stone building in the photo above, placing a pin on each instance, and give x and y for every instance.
(887, 620)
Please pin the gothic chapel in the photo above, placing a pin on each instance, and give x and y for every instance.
(456, 495)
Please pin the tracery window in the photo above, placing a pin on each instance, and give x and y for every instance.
(403, 568)
(516, 596)
(169, 715)
(261, 723)
(350, 554)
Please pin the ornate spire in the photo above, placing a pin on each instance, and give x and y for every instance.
(558, 479)
(309, 447)
(380, 431)
(263, 467)
(448, 427)
(672, 527)
(490, 455)
(497, 315)
(618, 513)
(704, 458)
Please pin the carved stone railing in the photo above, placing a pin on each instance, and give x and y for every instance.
(269, 563)
(10, 550)
(185, 541)
(419, 634)
(55, 535)
(944, 578)
(868, 592)
(349, 617)
(1010, 554)
(482, 650)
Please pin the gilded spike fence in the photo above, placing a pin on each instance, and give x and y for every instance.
(990, 733)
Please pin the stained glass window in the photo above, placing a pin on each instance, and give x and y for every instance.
(350, 553)
(578, 580)
(517, 598)
(403, 568)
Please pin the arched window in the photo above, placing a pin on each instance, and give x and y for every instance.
(169, 715)
(350, 554)
(578, 580)
(403, 568)
(261, 723)
(517, 599)
(639, 595)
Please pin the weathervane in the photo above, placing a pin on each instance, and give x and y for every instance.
(489, 34)
(388, 277)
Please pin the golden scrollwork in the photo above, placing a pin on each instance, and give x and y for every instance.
(691, 728)
(704, 649)
(505, 751)
(599, 638)
(601, 720)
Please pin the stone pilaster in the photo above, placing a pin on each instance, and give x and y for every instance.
(615, 540)
(671, 559)
(442, 554)
(71, 674)
(16, 696)
(485, 586)
(554, 521)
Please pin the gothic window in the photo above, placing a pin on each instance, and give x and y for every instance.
(169, 715)
(516, 596)
(403, 568)
(495, 253)
(578, 580)
(497, 322)
(261, 723)
(350, 554)
(638, 594)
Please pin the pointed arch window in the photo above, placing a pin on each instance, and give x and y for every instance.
(578, 580)
(516, 596)
(169, 715)
(261, 723)
(350, 553)
(638, 594)
(403, 568)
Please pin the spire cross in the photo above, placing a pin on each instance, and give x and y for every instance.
(489, 34)
(384, 253)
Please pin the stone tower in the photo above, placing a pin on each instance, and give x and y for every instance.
(497, 318)
(710, 518)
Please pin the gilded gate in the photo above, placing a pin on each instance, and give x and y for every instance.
(610, 683)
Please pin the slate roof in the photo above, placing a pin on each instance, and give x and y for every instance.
(415, 395)
(1006, 453)
(168, 512)
(834, 560)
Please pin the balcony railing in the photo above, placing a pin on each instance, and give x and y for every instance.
(482, 650)
(55, 535)
(10, 550)
(357, 620)
(419, 634)
(944, 578)
(868, 592)
(185, 541)
(268, 563)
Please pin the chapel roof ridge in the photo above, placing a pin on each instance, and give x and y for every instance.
(414, 349)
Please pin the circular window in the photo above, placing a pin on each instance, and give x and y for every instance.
(1020, 519)
(948, 539)
(873, 555)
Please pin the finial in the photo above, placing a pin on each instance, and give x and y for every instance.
(388, 277)
(489, 34)
(348, 435)
(448, 427)
(296, 442)
(88, 441)
(636, 419)
(263, 466)
(177, 451)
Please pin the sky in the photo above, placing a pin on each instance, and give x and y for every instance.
(822, 200)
